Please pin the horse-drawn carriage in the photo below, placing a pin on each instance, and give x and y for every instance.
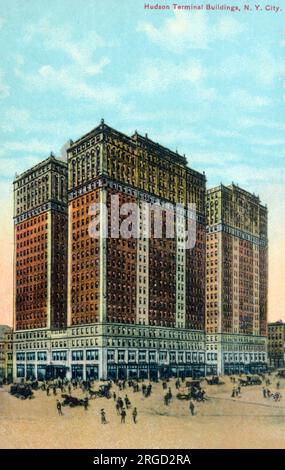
(193, 391)
(69, 400)
(103, 392)
(250, 380)
(22, 391)
(215, 380)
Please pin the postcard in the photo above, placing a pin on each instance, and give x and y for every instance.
(142, 207)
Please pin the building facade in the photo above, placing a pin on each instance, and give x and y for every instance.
(92, 301)
(6, 352)
(236, 281)
(40, 253)
(276, 344)
(135, 305)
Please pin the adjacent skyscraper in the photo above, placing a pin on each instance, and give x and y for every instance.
(276, 344)
(40, 221)
(40, 254)
(237, 276)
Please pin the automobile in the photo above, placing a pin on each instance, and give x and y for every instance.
(193, 384)
(281, 373)
(22, 391)
(183, 394)
(69, 400)
(215, 380)
(103, 392)
(250, 380)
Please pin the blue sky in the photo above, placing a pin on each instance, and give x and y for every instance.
(209, 84)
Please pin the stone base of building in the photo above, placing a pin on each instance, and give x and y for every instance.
(228, 354)
(120, 351)
(109, 351)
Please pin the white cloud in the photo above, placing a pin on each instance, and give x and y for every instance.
(2, 22)
(227, 28)
(4, 88)
(267, 142)
(15, 118)
(157, 75)
(154, 75)
(32, 146)
(225, 133)
(190, 31)
(259, 64)
(246, 100)
(71, 84)
(215, 158)
(62, 39)
(245, 175)
(76, 77)
(10, 166)
(178, 137)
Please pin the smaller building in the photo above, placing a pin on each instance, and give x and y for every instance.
(276, 344)
(6, 352)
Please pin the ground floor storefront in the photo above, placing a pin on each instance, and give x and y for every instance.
(154, 371)
(110, 371)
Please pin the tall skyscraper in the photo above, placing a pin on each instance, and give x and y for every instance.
(144, 295)
(237, 278)
(40, 253)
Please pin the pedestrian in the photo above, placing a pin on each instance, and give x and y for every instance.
(268, 393)
(191, 407)
(54, 390)
(135, 414)
(47, 391)
(233, 392)
(58, 406)
(114, 396)
(86, 403)
(118, 408)
(127, 402)
(123, 415)
(264, 392)
(103, 416)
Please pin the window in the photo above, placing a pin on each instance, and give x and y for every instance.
(152, 356)
(180, 357)
(20, 371)
(121, 355)
(163, 356)
(42, 356)
(77, 355)
(31, 356)
(92, 355)
(132, 356)
(172, 356)
(142, 356)
(111, 355)
(20, 357)
(59, 355)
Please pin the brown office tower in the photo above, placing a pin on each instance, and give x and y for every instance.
(40, 260)
(136, 305)
(236, 281)
(276, 346)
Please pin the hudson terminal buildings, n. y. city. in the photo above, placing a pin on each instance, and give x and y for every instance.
(91, 303)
